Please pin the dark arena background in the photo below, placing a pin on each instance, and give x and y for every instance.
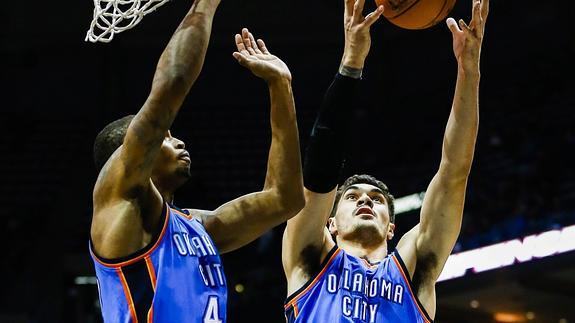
(59, 91)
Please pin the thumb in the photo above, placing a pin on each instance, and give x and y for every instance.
(240, 58)
(452, 25)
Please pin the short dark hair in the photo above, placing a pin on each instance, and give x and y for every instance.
(109, 139)
(366, 179)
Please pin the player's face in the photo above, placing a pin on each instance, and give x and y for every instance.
(173, 163)
(362, 213)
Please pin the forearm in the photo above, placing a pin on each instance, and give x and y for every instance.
(462, 127)
(325, 153)
(182, 60)
(442, 209)
(176, 71)
(284, 171)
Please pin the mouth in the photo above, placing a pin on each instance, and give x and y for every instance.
(365, 212)
(185, 156)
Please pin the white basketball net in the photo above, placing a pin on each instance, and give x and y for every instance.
(115, 16)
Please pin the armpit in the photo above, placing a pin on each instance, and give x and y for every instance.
(311, 259)
(424, 270)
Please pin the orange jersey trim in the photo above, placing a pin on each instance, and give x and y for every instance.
(187, 216)
(151, 315)
(295, 310)
(151, 272)
(138, 258)
(415, 300)
(316, 279)
(128, 295)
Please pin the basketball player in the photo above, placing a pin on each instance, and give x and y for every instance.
(158, 263)
(343, 272)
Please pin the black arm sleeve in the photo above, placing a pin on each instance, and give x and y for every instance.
(325, 153)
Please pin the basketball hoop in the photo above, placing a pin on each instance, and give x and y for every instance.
(116, 16)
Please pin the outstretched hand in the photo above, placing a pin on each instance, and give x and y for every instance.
(357, 37)
(255, 56)
(467, 39)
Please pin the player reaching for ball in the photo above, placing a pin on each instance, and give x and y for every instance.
(158, 263)
(343, 272)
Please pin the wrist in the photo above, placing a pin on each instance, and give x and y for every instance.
(470, 72)
(279, 81)
(353, 62)
(350, 71)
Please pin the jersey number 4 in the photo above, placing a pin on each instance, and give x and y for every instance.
(212, 313)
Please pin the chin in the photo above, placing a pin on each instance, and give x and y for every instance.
(183, 172)
(366, 225)
(367, 231)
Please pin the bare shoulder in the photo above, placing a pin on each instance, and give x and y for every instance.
(419, 264)
(313, 257)
(407, 249)
(203, 216)
(122, 224)
(213, 223)
(418, 267)
(308, 263)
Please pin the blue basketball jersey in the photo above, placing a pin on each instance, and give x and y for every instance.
(178, 278)
(349, 289)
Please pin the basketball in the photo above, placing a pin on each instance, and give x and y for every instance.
(416, 14)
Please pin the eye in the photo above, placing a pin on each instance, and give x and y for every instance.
(351, 197)
(377, 199)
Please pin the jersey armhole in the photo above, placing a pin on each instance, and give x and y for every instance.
(314, 278)
(405, 273)
(190, 214)
(138, 255)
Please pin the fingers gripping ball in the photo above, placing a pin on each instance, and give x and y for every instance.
(416, 14)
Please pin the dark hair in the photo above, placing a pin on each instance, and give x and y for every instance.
(109, 139)
(365, 179)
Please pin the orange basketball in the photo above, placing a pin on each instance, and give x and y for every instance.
(416, 14)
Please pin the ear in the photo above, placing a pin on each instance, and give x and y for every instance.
(391, 231)
(332, 226)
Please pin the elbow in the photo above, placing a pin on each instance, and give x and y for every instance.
(299, 202)
(456, 172)
(295, 205)
(291, 203)
(171, 82)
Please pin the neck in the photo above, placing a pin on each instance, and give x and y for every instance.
(166, 191)
(168, 196)
(371, 252)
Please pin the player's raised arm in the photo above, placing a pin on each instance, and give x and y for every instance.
(306, 240)
(125, 200)
(442, 209)
(177, 69)
(242, 220)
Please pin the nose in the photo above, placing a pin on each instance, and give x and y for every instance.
(364, 199)
(178, 144)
